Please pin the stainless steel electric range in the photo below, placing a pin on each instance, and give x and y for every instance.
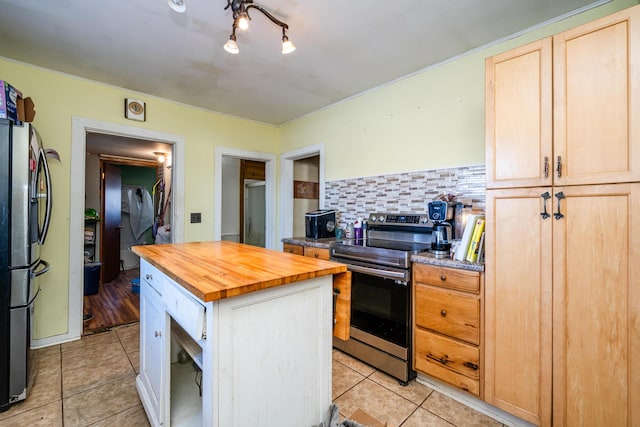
(381, 290)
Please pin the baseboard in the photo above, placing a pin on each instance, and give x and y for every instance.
(54, 340)
(472, 402)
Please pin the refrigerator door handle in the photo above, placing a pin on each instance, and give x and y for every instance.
(47, 215)
(30, 301)
(45, 267)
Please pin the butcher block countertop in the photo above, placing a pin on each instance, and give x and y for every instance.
(215, 270)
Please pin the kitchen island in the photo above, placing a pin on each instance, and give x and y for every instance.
(257, 324)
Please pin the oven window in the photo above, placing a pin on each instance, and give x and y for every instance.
(380, 307)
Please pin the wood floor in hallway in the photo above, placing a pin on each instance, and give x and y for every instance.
(115, 304)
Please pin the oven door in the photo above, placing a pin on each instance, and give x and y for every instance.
(380, 302)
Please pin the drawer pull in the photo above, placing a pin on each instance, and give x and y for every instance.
(158, 334)
(443, 313)
(444, 360)
(443, 277)
(470, 365)
(148, 277)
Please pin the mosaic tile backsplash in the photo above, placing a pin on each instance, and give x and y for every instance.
(403, 193)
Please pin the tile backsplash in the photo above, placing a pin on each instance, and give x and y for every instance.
(405, 192)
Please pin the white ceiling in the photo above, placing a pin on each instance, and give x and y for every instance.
(343, 47)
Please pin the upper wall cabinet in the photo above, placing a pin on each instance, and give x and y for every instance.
(560, 110)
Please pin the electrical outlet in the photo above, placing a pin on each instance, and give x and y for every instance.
(196, 217)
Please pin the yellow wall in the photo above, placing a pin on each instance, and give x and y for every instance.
(57, 98)
(432, 120)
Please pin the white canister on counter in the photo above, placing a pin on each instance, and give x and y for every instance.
(349, 231)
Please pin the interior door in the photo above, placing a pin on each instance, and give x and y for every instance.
(111, 225)
(254, 220)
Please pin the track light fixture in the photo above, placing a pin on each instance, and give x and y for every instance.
(241, 18)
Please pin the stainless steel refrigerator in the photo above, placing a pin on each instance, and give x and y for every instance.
(25, 211)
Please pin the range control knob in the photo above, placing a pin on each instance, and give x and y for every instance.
(425, 220)
(373, 218)
(381, 218)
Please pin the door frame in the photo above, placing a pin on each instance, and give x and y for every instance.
(286, 184)
(270, 190)
(79, 128)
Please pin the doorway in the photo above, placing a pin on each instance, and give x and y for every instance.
(127, 190)
(291, 211)
(80, 127)
(257, 190)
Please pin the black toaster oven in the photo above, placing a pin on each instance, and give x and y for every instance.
(320, 224)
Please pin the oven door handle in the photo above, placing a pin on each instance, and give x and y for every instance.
(363, 259)
(378, 272)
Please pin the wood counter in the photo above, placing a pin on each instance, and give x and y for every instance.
(216, 270)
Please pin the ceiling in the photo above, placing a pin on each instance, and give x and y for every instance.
(343, 47)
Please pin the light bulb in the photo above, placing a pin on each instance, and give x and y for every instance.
(287, 46)
(243, 22)
(231, 46)
(177, 5)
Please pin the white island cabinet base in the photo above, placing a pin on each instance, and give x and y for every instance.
(266, 358)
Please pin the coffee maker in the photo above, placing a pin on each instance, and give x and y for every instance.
(442, 230)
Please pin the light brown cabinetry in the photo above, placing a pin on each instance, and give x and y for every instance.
(292, 249)
(447, 324)
(562, 337)
(563, 110)
(316, 253)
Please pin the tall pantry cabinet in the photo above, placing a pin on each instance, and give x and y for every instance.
(562, 313)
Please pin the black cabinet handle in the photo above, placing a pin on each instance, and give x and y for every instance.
(559, 196)
(545, 196)
(444, 360)
(471, 365)
(559, 167)
(546, 167)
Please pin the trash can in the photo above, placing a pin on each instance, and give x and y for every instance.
(91, 278)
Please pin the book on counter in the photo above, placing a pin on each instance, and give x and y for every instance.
(476, 240)
(465, 241)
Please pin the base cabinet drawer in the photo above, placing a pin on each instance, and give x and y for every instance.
(316, 253)
(293, 249)
(462, 280)
(453, 314)
(448, 360)
(445, 352)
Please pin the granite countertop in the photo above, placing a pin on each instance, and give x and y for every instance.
(421, 258)
(215, 270)
(314, 243)
(429, 258)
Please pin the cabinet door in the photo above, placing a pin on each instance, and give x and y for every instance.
(342, 305)
(518, 117)
(596, 306)
(596, 72)
(153, 343)
(518, 274)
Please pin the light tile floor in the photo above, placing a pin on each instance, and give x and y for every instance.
(91, 382)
